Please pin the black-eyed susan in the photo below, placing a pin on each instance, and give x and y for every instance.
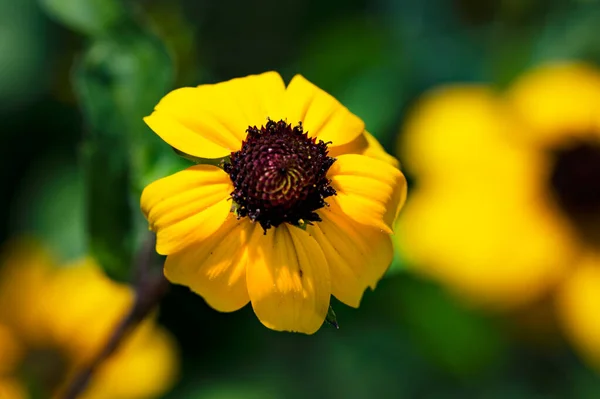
(507, 208)
(54, 320)
(302, 206)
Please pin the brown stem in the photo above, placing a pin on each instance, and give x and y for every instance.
(150, 288)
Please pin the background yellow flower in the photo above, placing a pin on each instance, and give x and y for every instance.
(508, 194)
(56, 319)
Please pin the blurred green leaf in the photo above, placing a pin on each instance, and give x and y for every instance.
(462, 341)
(109, 214)
(24, 54)
(586, 384)
(377, 96)
(228, 390)
(510, 54)
(346, 47)
(169, 19)
(570, 34)
(354, 59)
(92, 17)
(118, 81)
(51, 207)
(436, 44)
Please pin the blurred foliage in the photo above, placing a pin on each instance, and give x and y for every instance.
(90, 17)
(24, 48)
(122, 73)
(117, 82)
(76, 156)
(58, 181)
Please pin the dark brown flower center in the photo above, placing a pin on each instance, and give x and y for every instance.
(575, 181)
(280, 175)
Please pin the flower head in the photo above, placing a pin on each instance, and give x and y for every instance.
(54, 320)
(301, 208)
(508, 206)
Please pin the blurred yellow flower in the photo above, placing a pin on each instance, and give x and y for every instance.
(55, 319)
(507, 207)
(296, 212)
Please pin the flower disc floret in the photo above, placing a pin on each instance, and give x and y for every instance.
(280, 175)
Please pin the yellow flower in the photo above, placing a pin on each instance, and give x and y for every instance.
(55, 320)
(507, 208)
(302, 207)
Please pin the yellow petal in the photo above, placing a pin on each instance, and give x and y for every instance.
(288, 279)
(471, 238)
(10, 349)
(370, 191)
(216, 267)
(11, 388)
(455, 130)
(204, 145)
(26, 267)
(559, 102)
(322, 115)
(357, 255)
(90, 304)
(210, 121)
(187, 207)
(365, 144)
(578, 301)
(140, 368)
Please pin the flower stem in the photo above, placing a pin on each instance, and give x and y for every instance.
(150, 287)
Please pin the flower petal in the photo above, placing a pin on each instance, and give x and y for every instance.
(12, 350)
(577, 302)
(216, 267)
(187, 207)
(90, 304)
(470, 238)
(210, 121)
(209, 144)
(370, 191)
(357, 255)
(559, 101)
(144, 366)
(322, 115)
(288, 279)
(12, 388)
(459, 130)
(365, 144)
(24, 274)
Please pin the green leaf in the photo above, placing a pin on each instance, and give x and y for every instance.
(376, 95)
(51, 207)
(343, 49)
(459, 340)
(92, 17)
(118, 81)
(109, 217)
(24, 55)
(230, 390)
(331, 318)
(569, 34)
